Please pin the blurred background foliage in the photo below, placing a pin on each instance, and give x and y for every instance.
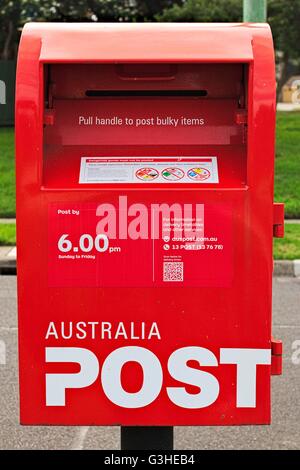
(14, 14)
(283, 16)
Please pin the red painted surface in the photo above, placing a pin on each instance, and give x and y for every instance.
(203, 268)
(228, 308)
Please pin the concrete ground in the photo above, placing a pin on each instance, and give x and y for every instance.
(284, 433)
(288, 107)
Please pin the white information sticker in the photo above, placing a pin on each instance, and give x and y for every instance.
(148, 170)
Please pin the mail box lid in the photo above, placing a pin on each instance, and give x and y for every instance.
(152, 42)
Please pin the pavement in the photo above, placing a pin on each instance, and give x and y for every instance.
(7, 221)
(283, 433)
(288, 106)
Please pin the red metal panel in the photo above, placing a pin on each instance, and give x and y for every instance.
(72, 81)
(167, 42)
(218, 128)
(61, 164)
(221, 313)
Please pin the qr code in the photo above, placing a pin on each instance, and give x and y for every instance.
(173, 271)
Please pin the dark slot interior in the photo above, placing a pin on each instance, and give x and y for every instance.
(145, 93)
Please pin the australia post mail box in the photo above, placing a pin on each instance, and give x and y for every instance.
(145, 219)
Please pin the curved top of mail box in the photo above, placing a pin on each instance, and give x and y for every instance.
(148, 42)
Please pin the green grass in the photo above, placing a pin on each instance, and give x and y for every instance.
(289, 246)
(7, 234)
(7, 173)
(287, 164)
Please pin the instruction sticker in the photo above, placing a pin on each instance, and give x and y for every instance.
(148, 170)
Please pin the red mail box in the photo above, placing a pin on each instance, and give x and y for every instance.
(145, 219)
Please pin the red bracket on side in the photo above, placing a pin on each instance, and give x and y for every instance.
(278, 220)
(49, 117)
(241, 116)
(276, 359)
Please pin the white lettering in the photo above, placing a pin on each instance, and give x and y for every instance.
(179, 370)
(51, 331)
(56, 384)
(246, 361)
(111, 377)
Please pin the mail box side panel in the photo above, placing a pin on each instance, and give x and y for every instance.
(28, 176)
(260, 165)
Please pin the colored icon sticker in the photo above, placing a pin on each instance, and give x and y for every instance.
(172, 174)
(146, 174)
(198, 174)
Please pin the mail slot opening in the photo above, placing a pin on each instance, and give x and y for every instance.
(146, 93)
(151, 111)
